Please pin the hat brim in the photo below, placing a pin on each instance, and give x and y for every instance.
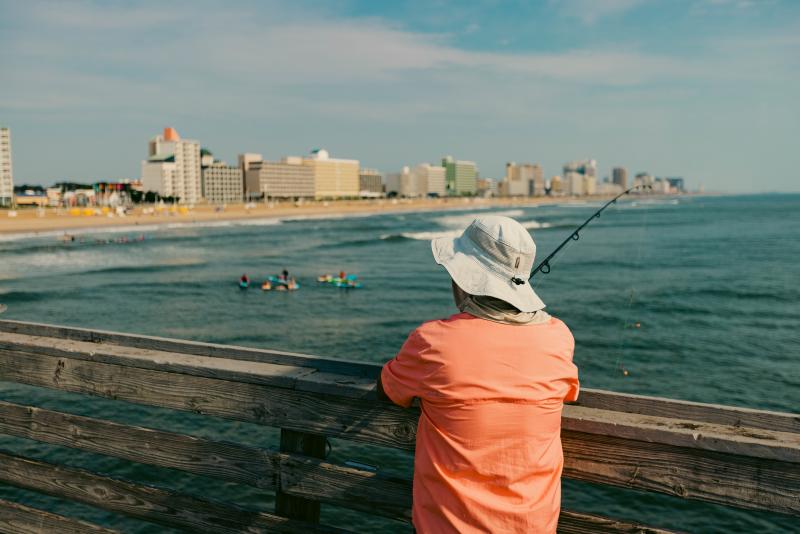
(474, 278)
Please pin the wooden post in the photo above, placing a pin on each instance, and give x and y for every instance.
(309, 445)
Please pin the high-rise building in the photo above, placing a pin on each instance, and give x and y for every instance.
(460, 176)
(370, 182)
(333, 178)
(407, 183)
(525, 179)
(173, 167)
(556, 186)
(676, 185)
(247, 159)
(580, 178)
(430, 179)
(222, 184)
(619, 176)
(6, 171)
(644, 180)
(288, 178)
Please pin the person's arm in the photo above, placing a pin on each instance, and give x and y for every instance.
(404, 377)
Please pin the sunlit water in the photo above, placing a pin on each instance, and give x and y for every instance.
(696, 298)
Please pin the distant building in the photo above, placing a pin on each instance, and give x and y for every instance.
(247, 159)
(526, 179)
(644, 180)
(6, 171)
(556, 186)
(431, 179)
(460, 176)
(619, 176)
(676, 185)
(173, 167)
(333, 178)
(487, 187)
(222, 184)
(407, 184)
(370, 182)
(288, 178)
(580, 178)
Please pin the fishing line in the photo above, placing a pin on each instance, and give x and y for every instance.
(628, 322)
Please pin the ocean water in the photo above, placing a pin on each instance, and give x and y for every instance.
(697, 298)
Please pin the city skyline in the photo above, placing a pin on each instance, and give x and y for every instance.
(708, 97)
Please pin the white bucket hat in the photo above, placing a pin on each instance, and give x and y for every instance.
(494, 257)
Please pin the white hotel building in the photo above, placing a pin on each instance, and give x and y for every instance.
(6, 174)
(173, 167)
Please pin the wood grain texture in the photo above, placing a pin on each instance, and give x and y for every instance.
(292, 506)
(577, 523)
(143, 502)
(16, 518)
(358, 420)
(338, 366)
(697, 474)
(292, 474)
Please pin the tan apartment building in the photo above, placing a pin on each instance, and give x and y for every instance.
(333, 178)
(288, 178)
(222, 184)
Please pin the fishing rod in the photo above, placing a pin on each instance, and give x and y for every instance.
(544, 266)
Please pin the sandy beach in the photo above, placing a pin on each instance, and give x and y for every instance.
(30, 221)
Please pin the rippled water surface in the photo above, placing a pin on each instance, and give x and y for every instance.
(696, 298)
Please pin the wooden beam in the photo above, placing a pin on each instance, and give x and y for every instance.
(287, 505)
(591, 398)
(359, 420)
(694, 411)
(143, 502)
(577, 523)
(697, 474)
(19, 519)
(292, 474)
(338, 366)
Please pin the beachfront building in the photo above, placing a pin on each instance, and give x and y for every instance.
(333, 178)
(430, 179)
(556, 186)
(288, 178)
(644, 181)
(487, 187)
(172, 168)
(526, 179)
(619, 176)
(6, 173)
(580, 178)
(222, 184)
(370, 183)
(247, 159)
(406, 184)
(676, 185)
(460, 176)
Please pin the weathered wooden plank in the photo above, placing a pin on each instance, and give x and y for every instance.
(355, 419)
(286, 376)
(16, 518)
(578, 523)
(143, 502)
(644, 405)
(292, 474)
(288, 505)
(694, 411)
(698, 474)
(751, 442)
(359, 420)
(339, 366)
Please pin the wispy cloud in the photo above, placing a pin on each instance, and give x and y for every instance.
(591, 11)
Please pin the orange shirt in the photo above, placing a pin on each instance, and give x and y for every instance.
(488, 456)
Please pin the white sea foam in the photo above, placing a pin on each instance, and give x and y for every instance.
(462, 220)
(423, 236)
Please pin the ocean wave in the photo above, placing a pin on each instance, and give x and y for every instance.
(420, 236)
(462, 220)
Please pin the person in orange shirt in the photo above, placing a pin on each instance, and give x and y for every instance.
(491, 381)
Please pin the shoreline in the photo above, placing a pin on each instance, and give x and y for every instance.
(28, 223)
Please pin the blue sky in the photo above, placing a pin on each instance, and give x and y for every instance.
(706, 89)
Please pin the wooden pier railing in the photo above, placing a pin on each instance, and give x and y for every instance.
(733, 456)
